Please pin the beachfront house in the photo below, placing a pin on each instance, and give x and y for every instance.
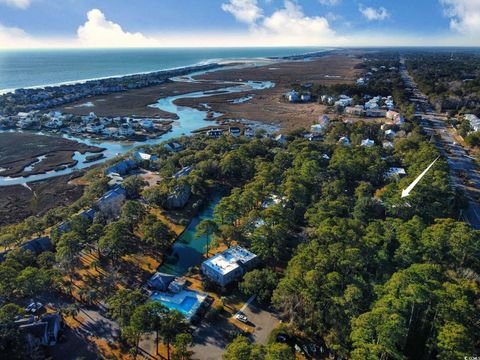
(390, 133)
(229, 265)
(306, 97)
(215, 133)
(234, 131)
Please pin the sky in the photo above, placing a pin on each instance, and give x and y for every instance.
(237, 23)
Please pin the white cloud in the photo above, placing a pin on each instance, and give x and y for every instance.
(246, 11)
(100, 32)
(329, 2)
(21, 4)
(374, 14)
(11, 37)
(287, 26)
(464, 15)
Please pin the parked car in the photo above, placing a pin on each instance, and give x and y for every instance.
(242, 318)
(33, 308)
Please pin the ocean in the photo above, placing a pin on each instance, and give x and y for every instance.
(27, 68)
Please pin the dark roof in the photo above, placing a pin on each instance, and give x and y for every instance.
(122, 168)
(37, 329)
(38, 245)
(89, 214)
(160, 281)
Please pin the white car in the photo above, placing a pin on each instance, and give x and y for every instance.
(242, 318)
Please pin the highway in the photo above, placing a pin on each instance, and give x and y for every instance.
(464, 172)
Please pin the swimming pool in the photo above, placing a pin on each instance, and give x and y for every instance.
(186, 301)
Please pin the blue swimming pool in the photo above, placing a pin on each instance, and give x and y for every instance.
(186, 301)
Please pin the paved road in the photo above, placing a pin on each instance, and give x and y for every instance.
(464, 172)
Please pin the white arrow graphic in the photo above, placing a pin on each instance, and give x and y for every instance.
(410, 187)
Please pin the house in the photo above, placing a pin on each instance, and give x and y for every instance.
(316, 128)
(387, 145)
(249, 132)
(110, 204)
(281, 139)
(121, 168)
(42, 332)
(357, 110)
(395, 172)
(147, 124)
(89, 214)
(474, 121)
(215, 133)
(314, 137)
(180, 196)
(344, 141)
(305, 97)
(229, 265)
(344, 101)
(292, 96)
(36, 246)
(160, 281)
(143, 156)
(173, 146)
(390, 133)
(183, 172)
(367, 143)
(125, 130)
(234, 131)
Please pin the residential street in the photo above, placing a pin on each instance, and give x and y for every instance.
(464, 172)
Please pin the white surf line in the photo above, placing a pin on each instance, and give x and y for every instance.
(242, 309)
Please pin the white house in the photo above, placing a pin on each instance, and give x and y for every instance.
(229, 265)
(395, 172)
(215, 133)
(306, 97)
(234, 131)
(367, 143)
(474, 121)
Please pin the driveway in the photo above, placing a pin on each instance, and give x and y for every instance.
(262, 322)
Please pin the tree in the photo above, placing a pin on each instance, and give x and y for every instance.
(241, 349)
(172, 324)
(68, 254)
(260, 282)
(32, 281)
(133, 185)
(181, 345)
(116, 241)
(157, 234)
(123, 303)
(278, 351)
(9, 312)
(133, 213)
(206, 228)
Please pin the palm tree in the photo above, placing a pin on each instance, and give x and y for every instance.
(206, 228)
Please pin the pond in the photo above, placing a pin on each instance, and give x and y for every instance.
(188, 250)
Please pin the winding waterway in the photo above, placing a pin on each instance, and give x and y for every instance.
(189, 120)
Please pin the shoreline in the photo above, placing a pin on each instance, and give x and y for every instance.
(220, 62)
